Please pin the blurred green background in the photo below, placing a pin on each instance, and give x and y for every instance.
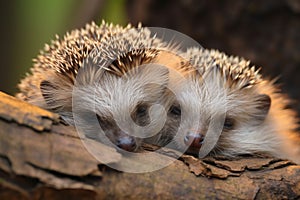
(28, 25)
(265, 32)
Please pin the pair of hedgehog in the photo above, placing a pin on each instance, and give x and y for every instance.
(124, 71)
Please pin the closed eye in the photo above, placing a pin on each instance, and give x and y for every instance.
(228, 123)
(141, 110)
(175, 110)
(140, 114)
(104, 122)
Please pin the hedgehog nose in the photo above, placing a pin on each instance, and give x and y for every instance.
(194, 139)
(126, 143)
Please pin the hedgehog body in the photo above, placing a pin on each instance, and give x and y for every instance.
(113, 74)
(255, 116)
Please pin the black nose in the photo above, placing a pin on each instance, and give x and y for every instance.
(126, 143)
(194, 139)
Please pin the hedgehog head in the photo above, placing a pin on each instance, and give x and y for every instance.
(219, 103)
(119, 85)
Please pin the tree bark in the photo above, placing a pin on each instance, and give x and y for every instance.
(41, 158)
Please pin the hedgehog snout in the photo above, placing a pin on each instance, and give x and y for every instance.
(194, 139)
(127, 143)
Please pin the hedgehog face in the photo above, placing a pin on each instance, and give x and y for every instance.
(203, 99)
(124, 105)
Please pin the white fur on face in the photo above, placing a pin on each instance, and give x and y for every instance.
(200, 101)
(115, 99)
(255, 130)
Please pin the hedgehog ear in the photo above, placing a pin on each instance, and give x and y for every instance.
(47, 90)
(263, 104)
(54, 98)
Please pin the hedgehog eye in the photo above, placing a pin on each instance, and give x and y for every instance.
(175, 110)
(228, 123)
(141, 110)
(104, 123)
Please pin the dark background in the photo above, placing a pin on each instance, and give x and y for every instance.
(266, 32)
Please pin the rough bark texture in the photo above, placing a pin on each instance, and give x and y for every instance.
(41, 158)
(265, 32)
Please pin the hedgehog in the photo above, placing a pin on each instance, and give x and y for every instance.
(118, 74)
(226, 108)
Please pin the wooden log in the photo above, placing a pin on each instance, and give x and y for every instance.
(40, 158)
